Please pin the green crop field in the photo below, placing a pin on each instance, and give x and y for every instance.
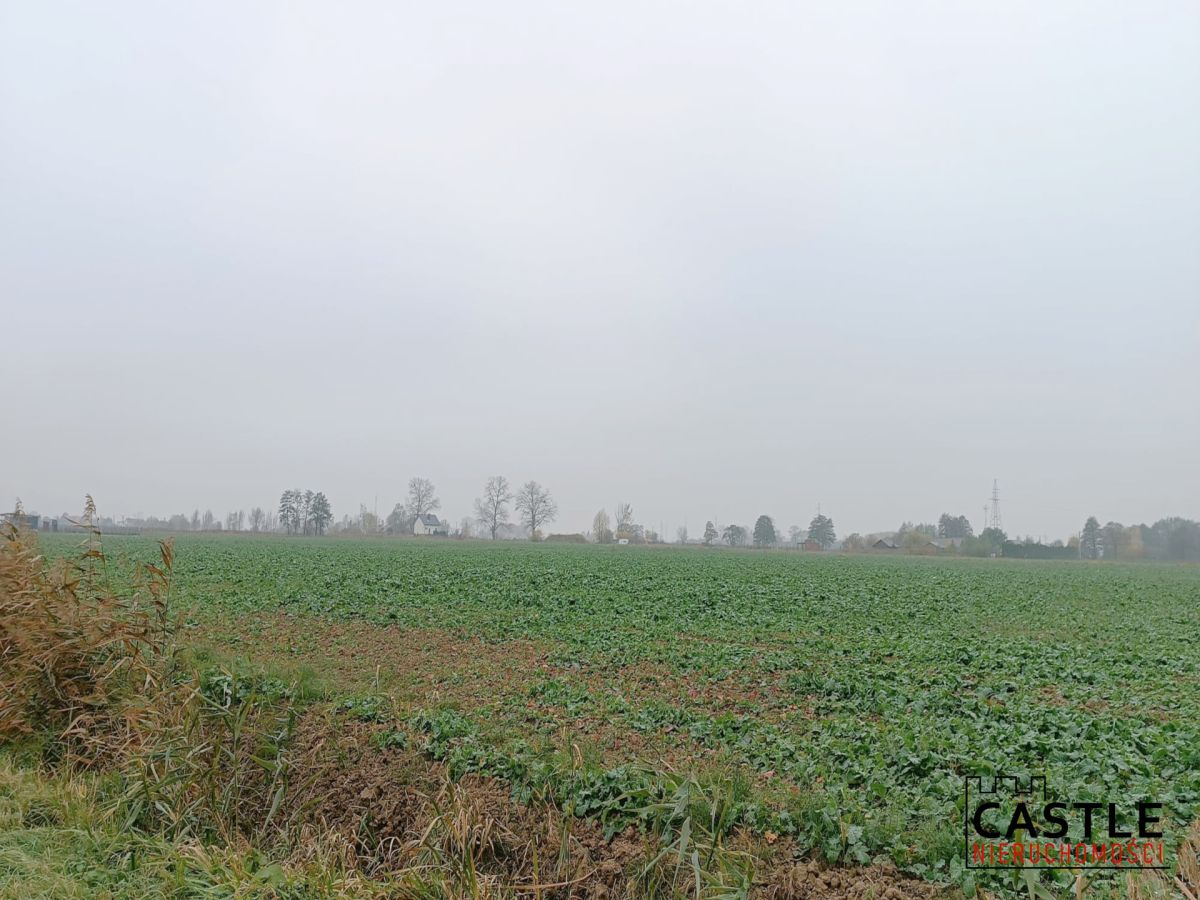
(845, 697)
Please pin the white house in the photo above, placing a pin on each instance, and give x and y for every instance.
(430, 524)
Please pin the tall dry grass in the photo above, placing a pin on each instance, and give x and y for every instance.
(89, 671)
(81, 666)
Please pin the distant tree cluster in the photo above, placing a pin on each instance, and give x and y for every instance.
(854, 543)
(734, 535)
(954, 527)
(913, 537)
(534, 506)
(304, 512)
(624, 528)
(1172, 539)
(762, 536)
(820, 529)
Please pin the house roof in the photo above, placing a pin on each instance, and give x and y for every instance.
(430, 519)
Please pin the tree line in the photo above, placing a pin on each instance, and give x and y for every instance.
(308, 512)
(1173, 538)
(622, 528)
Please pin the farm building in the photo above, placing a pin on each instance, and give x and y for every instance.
(32, 521)
(810, 544)
(946, 543)
(883, 544)
(430, 524)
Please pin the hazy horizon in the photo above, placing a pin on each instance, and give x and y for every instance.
(710, 260)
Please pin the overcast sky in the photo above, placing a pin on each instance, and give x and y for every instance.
(714, 259)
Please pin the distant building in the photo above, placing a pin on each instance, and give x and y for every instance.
(810, 544)
(431, 525)
(31, 521)
(946, 543)
(884, 544)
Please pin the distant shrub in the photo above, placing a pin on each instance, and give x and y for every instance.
(567, 539)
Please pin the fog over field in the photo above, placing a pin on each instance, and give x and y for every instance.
(712, 259)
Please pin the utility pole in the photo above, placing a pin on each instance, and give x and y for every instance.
(995, 523)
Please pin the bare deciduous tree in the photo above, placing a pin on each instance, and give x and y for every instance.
(257, 518)
(601, 531)
(421, 497)
(536, 507)
(492, 508)
(625, 517)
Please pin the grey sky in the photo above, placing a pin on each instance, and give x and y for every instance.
(714, 259)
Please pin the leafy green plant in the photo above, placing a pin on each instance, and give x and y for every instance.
(366, 709)
(854, 691)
